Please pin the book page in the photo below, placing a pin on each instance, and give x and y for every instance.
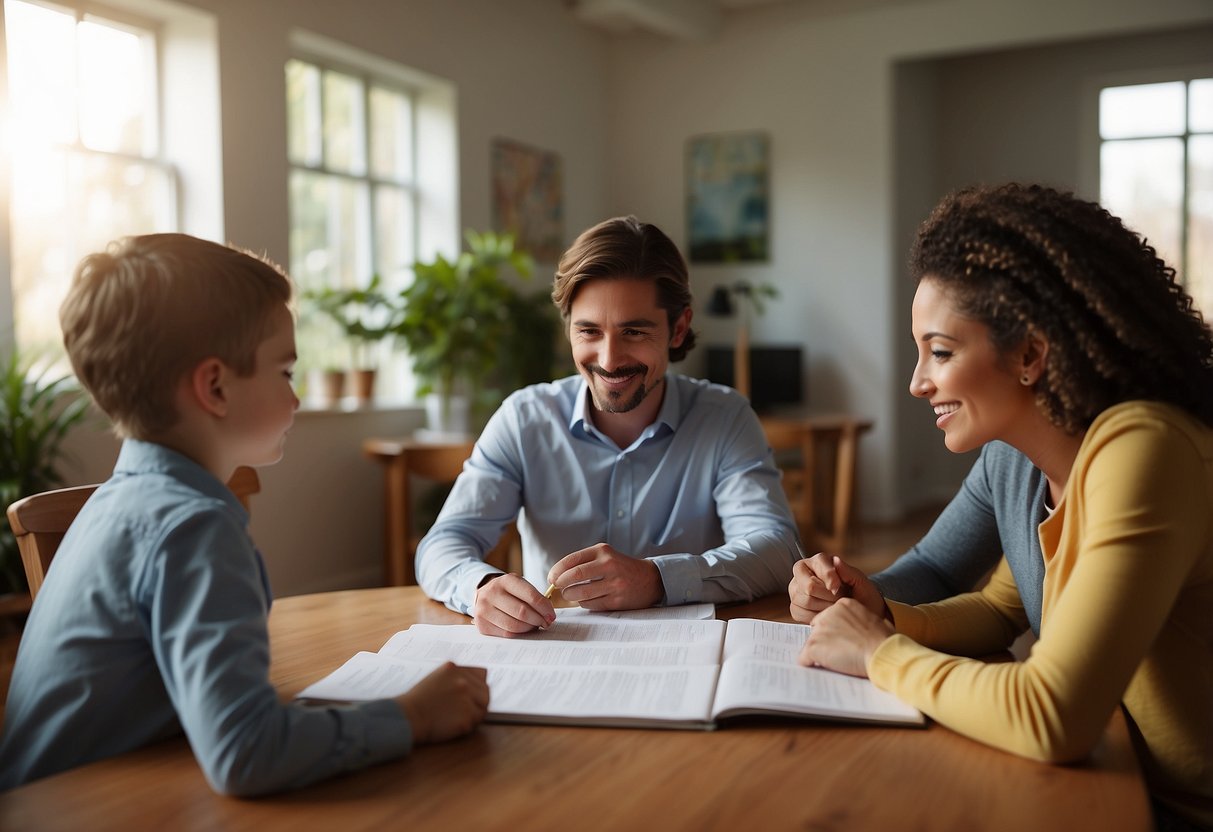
(581, 629)
(368, 676)
(576, 694)
(760, 674)
(775, 641)
(756, 686)
(463, 644)
(703, 612)
(542, 694)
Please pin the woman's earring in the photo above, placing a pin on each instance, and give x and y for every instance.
(1024, 380)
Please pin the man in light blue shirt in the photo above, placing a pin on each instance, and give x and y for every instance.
(632, 486)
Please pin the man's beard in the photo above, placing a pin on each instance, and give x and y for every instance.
(613, 401)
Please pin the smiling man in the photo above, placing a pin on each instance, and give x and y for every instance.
(632, 486)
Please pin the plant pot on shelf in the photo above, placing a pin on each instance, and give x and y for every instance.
(363, 383)
(333, 387)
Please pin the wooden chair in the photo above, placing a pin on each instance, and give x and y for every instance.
(40, 520)
(785, 437)
(821, 488)
(439, 463)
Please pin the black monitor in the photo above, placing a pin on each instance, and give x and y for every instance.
(775, 374)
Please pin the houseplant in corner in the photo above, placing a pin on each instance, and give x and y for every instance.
(456, 322)
(36, 413)
(364, 316)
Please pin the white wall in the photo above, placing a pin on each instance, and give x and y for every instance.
(847, 190)
(823, 85)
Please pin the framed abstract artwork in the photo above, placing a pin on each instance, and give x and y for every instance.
(728, 197)
(528, 198)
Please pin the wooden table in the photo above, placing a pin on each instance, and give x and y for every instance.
(768, 775)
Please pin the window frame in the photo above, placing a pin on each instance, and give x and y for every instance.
(369, 79)
(1093, 141)
(161, 159)
(434, 186)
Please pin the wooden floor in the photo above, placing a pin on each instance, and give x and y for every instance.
(875, 547)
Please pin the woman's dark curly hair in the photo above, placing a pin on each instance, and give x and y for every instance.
(1028, 259)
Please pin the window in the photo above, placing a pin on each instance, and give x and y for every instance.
(87, 153)
(354, 198)
(1156, 172)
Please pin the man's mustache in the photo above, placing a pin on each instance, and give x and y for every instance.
(622, 372)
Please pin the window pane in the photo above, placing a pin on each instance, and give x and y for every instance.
(42, 72)
(1200, 105)
(330, 246)
(1142, 110)
(115, 197)
(395, 248)
(318, 340)
(1142, 183)
(395, 252)
(116, 105)
(66, 204)
(303, 113)
(391, 135)
(1200, 222)
(344, 124)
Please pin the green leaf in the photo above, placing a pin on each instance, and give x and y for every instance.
(36, 414)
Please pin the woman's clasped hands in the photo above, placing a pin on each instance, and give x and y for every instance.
(847, 612)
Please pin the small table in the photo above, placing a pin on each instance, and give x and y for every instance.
(769, 774)
(824, 482)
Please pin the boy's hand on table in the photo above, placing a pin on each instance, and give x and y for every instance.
(448, 703)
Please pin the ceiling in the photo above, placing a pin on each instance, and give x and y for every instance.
(688, 19)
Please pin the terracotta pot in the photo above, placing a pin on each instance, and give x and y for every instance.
(363, 382)
(334, 387)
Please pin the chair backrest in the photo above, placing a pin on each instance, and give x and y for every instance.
(439, 463)
(786, 436)
(40, 520)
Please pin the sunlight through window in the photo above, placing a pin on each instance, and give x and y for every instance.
(85, 152)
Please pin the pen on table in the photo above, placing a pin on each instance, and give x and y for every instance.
(552, 587)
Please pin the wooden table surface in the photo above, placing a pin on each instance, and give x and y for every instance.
(761, 775)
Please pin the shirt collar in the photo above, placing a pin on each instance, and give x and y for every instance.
(139, 457)
(670, 415)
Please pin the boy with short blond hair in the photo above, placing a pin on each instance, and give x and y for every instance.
(152, 619)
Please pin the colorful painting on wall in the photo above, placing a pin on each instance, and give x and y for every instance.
(528, 198)
(728, 183)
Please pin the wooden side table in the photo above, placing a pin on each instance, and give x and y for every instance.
(437, 461)
(821, 488)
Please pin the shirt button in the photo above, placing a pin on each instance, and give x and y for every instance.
(619, 514)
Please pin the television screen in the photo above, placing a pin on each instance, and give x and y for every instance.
(775, 374)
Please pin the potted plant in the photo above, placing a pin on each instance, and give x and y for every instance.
(364, 316)
(36, 413)
(458, 324)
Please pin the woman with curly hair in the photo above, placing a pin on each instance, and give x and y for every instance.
(1056, 340)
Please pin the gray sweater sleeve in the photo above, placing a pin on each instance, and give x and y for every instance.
(961, 547)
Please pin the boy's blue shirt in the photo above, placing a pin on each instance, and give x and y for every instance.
(153, 620)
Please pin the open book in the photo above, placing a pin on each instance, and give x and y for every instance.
(615, 669)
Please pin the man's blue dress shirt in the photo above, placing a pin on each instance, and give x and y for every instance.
(153, 620)
(697, 493)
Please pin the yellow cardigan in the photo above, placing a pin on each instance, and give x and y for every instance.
(1127, 616)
